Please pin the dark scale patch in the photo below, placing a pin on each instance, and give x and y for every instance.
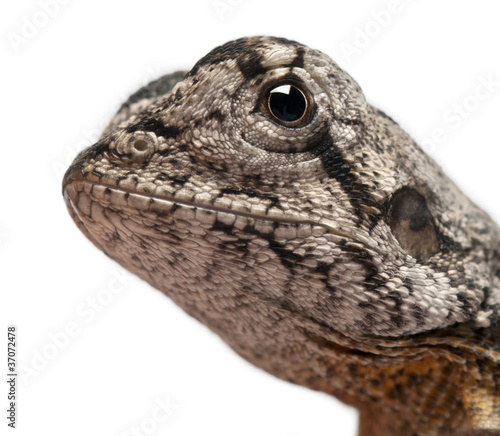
(450, 254)
(466, 307)
(370, 320)
(323, 269)
(216, 115)
(258, 82)
(180, 180)
(446, 244)
(121, 178)
(287, 258)
(384, 115)
(339, 169)
(177, 180)
(458, 278)
(350, 121)
(250, 65)
(220, 167)
(92, 152)
(367, 305)
(178, 94)
(483, 231)
(398, 320)
(165, 103)
(115, 238)
(477, 259)
(158, 87)
(274, 201)
(494, 259)
(166, 152)
(163, 177)
(155, 126)
(486, 296)
(256, 178)
(361, 256)
(396, 296)
(408, 284)
(494, 319)
(222, 53)
(287, 305)
(298, 62)
(240, 246)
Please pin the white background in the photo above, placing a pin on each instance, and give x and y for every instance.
(62, 80)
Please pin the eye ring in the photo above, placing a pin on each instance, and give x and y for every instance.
(288, 103)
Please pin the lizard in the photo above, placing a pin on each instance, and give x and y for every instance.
(263, 194)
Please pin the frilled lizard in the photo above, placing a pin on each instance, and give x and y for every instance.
(269, 200)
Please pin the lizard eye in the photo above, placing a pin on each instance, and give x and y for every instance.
(411, 223)
(287, 104)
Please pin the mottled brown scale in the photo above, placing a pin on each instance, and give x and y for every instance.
(309, 231)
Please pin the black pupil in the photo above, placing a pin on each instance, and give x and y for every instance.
(287, 103)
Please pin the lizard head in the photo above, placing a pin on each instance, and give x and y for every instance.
(268, 199)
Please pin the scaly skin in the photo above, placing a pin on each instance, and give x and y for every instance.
(327, 249)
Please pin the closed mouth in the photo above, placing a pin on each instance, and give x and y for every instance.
(79, 192)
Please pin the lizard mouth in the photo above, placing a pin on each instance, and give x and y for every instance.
(79, 194)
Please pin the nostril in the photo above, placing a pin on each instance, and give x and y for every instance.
(140, 145)
(136, 148)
